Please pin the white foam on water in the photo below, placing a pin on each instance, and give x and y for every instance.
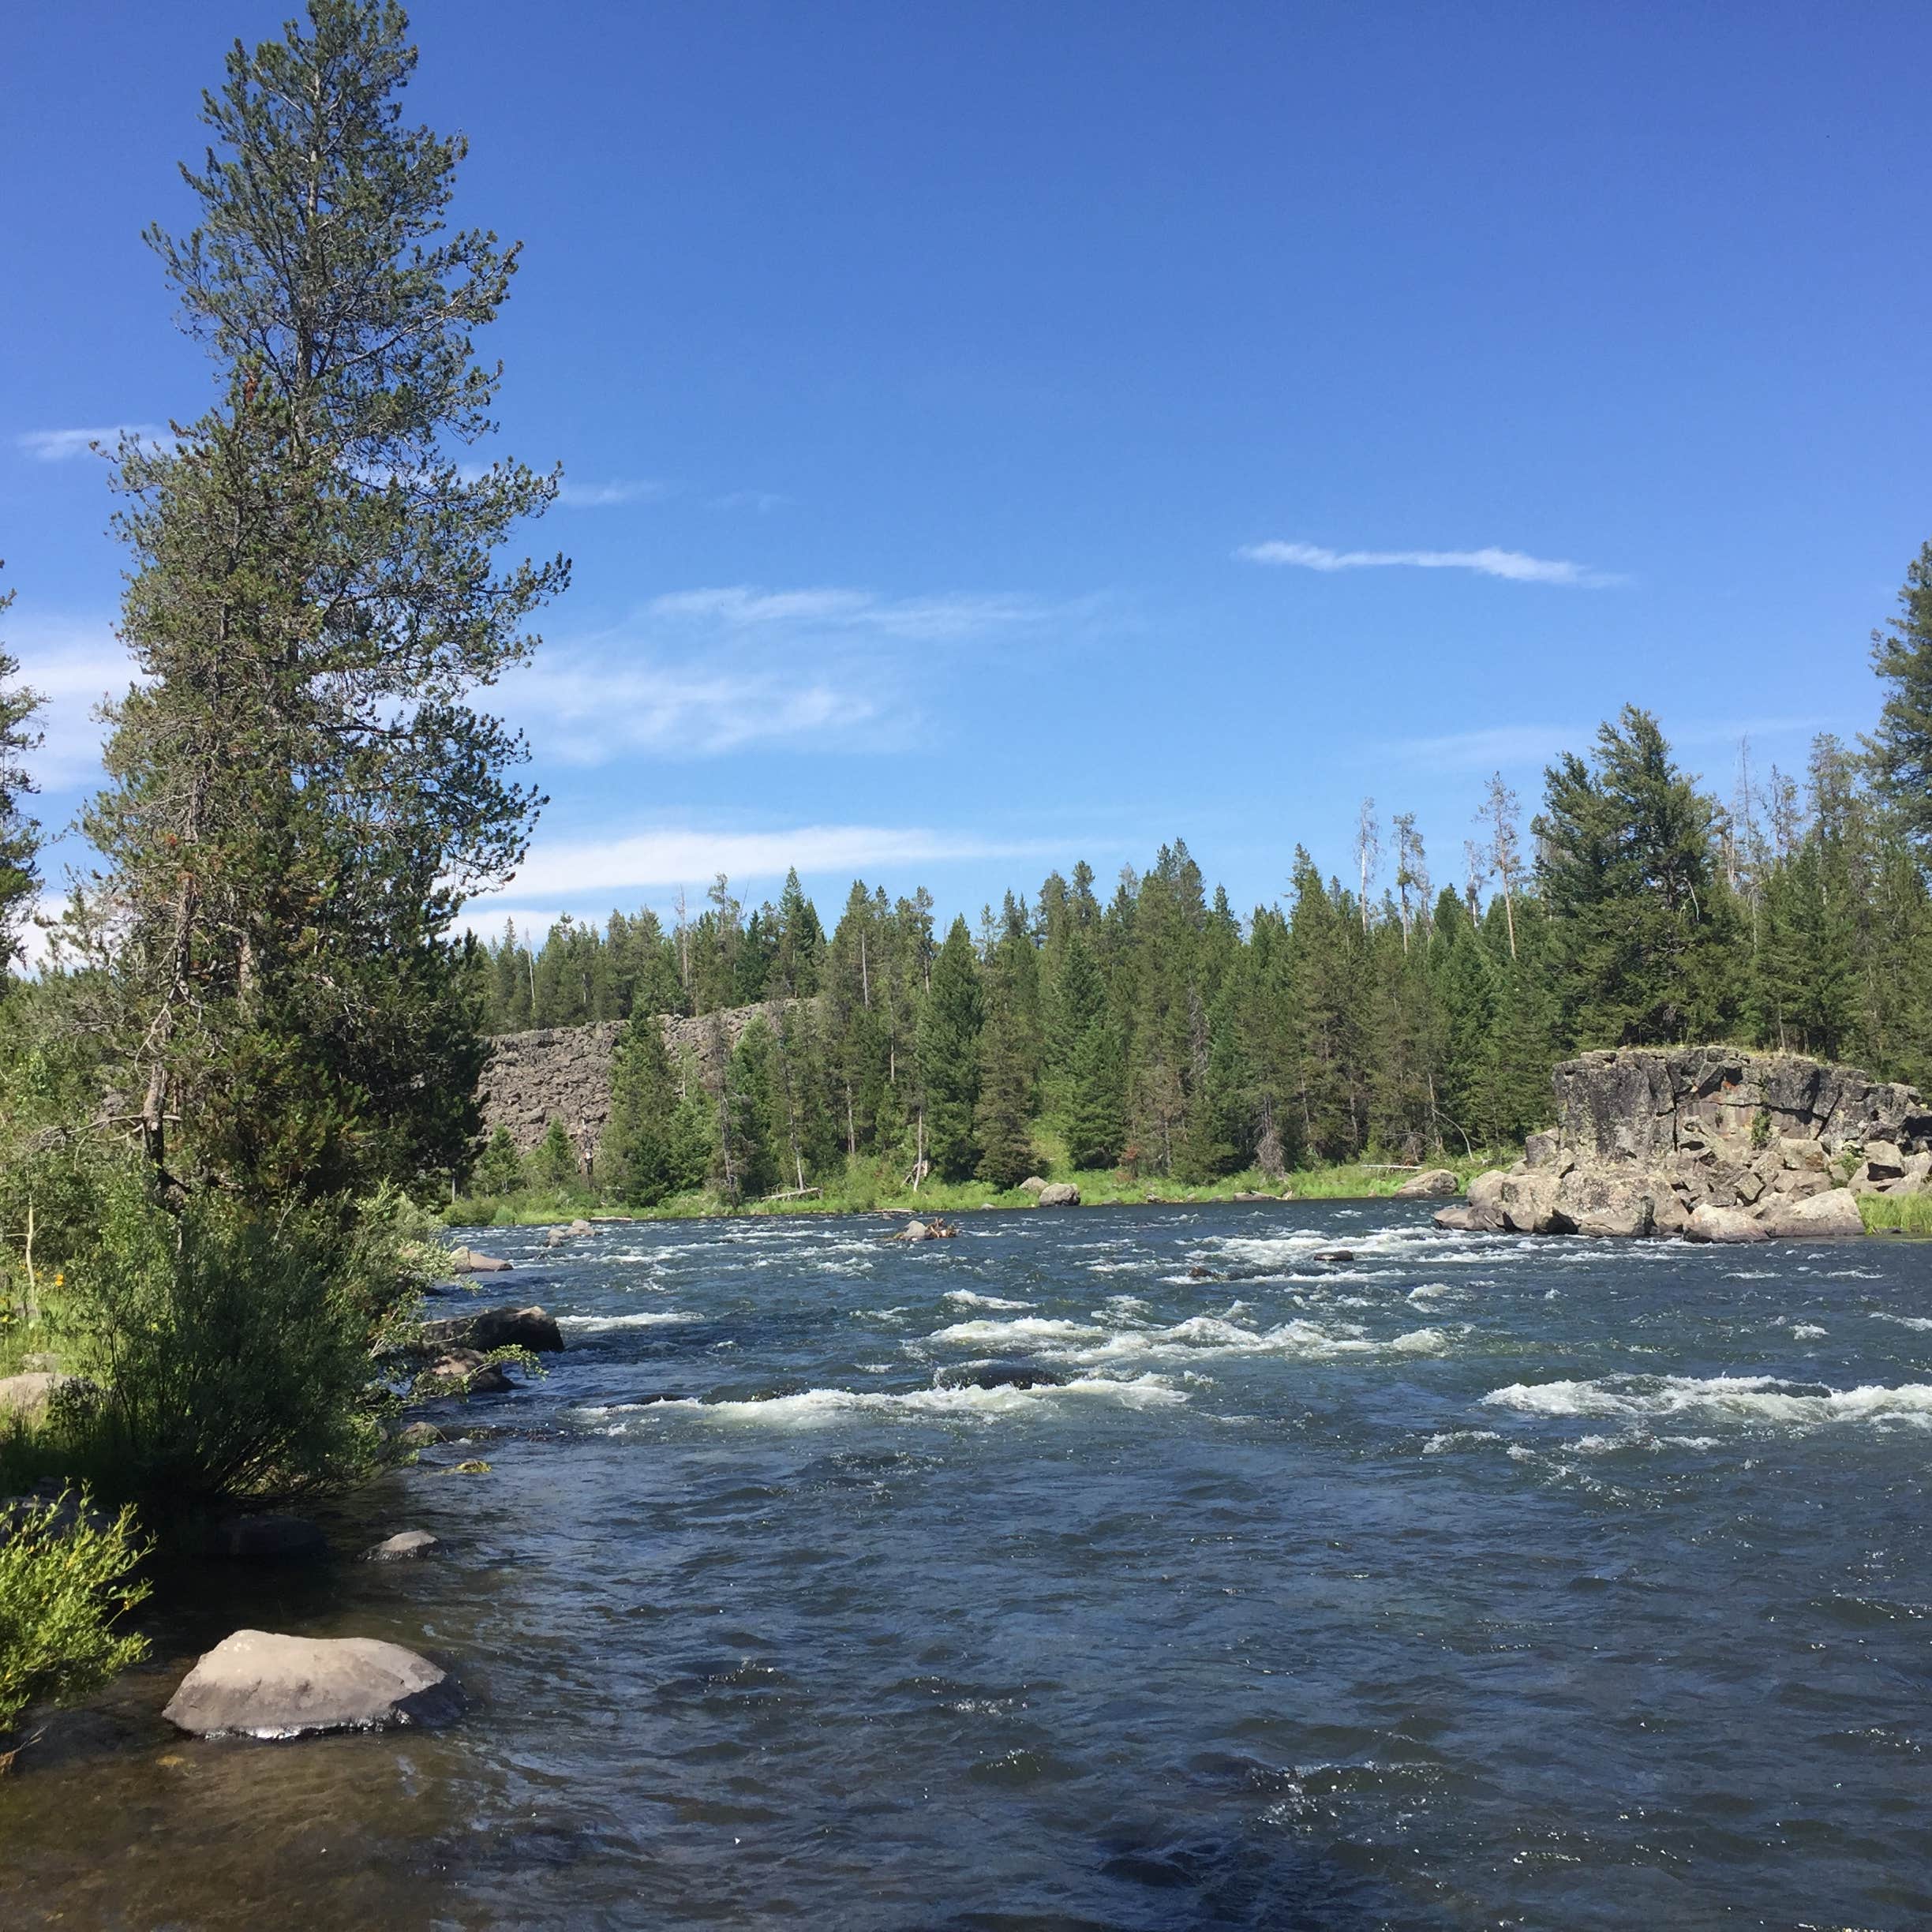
(592, 1324)
(1432, 1291)
(1808, 1332)
(814, 1408)
(1026, 1329)
(1904, 1321)
(1736, 1398)
(964, 1298)
(1458, 1439)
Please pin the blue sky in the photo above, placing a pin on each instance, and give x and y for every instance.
(1001, 434)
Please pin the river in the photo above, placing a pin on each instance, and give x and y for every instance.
(1470, 1582)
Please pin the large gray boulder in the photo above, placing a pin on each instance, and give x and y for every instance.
(1485, 1201)
(1032, 1184)
(495, 1328)
(1835, 1212)
(1059, 1194)
(1436, 1184)
(258, 1684)
(1726, 1225)
(467, 1261)
(1592, 1201)
(29, 1399)
(1529, 1203)
(464, 1371)
(1458, 1220)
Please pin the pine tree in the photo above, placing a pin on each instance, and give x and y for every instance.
(20, 835)
(1901, 748)
(500, 1169)
(949, 1056)
(554, 1163)
(300, 797)
(1638, 930)
(635, 1159)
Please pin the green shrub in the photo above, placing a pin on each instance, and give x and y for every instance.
(238, 1353)
(66, 1577)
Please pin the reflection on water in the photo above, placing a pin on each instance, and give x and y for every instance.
(1113, 1568)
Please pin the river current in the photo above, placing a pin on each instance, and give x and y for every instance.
(1466, 1581)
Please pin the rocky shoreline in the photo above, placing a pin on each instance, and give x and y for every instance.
(1708, 1144)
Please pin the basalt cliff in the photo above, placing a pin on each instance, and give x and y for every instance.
(563, 1073)
(1707, 1143)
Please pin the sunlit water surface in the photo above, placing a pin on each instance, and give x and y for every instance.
(1472, 1582)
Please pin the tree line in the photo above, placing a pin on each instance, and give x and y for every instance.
(1155, 1030)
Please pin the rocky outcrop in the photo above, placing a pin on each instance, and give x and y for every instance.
(1715, 1144)
(258, 1684)
(564, 1073)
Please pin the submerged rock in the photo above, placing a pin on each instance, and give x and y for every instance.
(269, 1535)
(1436, 1184)
(259, 1684)
(1059, 1194)
(401, 1546)
(997, 1374)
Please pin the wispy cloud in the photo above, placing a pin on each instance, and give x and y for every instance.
(1498, 747)
(919, 620)
(1515, 566)
(703, 672)
(1504, 748)
(64, 445)
(609, 496)
(73, 666)
(760, 501)
(581, 708)
(682, 855)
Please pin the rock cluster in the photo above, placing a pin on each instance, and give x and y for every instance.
(1710, 1143)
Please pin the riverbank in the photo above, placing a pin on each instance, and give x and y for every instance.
(862, 1189)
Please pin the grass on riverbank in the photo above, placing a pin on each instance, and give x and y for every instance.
(866, 1188)
(1896, 1213)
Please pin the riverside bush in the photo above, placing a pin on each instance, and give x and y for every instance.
(237, 1352)
(65, 1579)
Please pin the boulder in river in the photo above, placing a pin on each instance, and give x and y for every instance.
(464, 1371)
(401, 1548)
(1725, 1224)
(467, 1261)
(257, 1683)
(1432, 1184)
(493, 1328)
(269, 1535)
(1834, 1212)
(1456, 1220)
(997, 1374)
(1059, 1194)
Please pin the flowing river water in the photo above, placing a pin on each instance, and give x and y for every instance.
(1470, 1582)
